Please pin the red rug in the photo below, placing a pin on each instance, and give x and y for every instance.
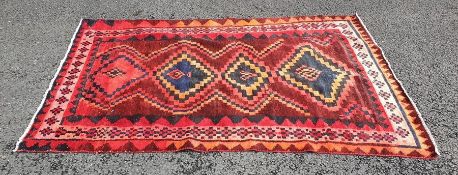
(300, 84)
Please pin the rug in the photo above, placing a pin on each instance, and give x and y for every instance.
(298, 84)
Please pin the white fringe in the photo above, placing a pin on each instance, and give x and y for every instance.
(49, 88)
(402, 87)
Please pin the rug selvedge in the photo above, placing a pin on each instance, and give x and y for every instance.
(298, 84)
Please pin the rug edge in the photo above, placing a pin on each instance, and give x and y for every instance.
(330, 153)
(50, 86)
(423, 124)
(224, 18)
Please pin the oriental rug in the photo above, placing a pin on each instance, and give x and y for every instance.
(297, 84)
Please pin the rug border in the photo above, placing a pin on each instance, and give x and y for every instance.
(50, 86)
(431, 137)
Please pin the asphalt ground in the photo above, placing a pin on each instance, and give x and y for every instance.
(419, 39)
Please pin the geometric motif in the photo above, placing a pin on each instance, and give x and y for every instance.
(299, 84)
(116, 75)
(184, 76)
(245, 75)
(309, 71)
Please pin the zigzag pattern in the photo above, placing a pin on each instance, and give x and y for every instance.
(180, 120)
(215, 96)
(252, 107)
(126, 24)
(253, 104)
(210, 54)
(202, 146)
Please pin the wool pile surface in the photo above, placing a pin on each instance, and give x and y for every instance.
(297, 84)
